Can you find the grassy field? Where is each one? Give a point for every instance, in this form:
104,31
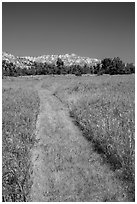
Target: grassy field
102,107
104,110
20,108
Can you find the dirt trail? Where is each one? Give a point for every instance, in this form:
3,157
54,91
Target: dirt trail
64,166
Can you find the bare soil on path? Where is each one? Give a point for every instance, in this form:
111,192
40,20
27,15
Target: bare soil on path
65,167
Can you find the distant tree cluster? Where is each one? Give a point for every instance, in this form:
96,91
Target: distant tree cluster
116,66
107,66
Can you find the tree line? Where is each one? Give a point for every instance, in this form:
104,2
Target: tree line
106,66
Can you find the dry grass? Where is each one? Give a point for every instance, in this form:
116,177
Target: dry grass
20,109
104,109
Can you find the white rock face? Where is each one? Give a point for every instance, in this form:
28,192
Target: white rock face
68,59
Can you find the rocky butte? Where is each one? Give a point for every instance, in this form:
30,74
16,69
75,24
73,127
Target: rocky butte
68,59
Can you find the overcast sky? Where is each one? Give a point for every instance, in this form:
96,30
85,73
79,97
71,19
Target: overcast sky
95,30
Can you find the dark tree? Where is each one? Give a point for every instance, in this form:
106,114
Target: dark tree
59,62
59,65
113,66
78,70
106,65
118,67
98,69
130,68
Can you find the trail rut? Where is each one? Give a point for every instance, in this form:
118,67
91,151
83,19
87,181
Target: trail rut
65,168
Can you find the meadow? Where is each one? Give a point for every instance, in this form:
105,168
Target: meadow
103,109
20,107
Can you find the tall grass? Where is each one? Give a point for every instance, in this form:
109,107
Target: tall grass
19,112
104,111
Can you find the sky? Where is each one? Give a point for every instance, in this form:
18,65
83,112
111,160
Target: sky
95,30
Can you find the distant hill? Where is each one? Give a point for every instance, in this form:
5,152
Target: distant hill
68,59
